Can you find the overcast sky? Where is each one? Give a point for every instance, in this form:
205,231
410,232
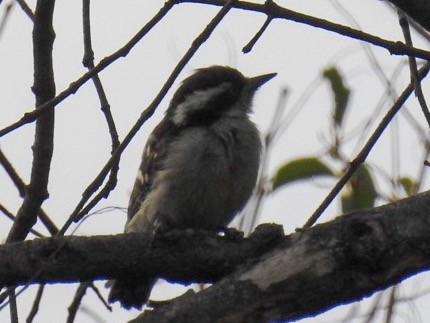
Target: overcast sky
298,53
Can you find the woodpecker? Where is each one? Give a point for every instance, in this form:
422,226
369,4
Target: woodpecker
199,166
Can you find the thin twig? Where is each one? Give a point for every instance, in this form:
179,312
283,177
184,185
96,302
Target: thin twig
108,60
391,304
11,216
12,173
272,9
13,306
418,28
101,298
248,47
6,14
20,185
422,170
36,304
147,113
376,66
88,61
250,217
74,306
92,314
52,256
370,316
413,67
150,110
269,8
362,155
296,108
24,6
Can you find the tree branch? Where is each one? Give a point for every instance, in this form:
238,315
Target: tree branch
77,215
275,11
330,264
268,277
197,257
44,90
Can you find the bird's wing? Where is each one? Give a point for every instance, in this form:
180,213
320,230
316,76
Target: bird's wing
152,161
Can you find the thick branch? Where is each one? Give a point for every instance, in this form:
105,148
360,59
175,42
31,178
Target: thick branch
344,260
196,257
329,264
44,90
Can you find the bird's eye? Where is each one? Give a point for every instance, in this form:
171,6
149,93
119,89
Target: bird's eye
199,102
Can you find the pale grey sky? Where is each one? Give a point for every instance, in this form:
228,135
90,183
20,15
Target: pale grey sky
298,53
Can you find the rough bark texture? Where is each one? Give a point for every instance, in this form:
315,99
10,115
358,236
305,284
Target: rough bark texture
178,256
292,277
330,264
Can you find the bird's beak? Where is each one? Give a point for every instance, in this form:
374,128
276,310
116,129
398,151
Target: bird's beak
255,82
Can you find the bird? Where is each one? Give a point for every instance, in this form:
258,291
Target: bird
199,166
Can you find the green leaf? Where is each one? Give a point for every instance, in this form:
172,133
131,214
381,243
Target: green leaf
340,92
409,185
300,169
360,192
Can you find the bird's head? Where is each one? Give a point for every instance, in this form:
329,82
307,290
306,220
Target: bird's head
213,92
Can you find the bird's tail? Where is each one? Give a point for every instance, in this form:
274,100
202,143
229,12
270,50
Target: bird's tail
131,293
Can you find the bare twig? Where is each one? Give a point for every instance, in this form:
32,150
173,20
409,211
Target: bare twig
250,217
92,314
147,113
24,6
20,185
36,304
53,253
13,306
88,61
362,155
12,173
392,301
11,216
296,108
269,8
74,306
150,110
413,67
257,36
370,316
101,298
4,19
272,9
73,87
418,28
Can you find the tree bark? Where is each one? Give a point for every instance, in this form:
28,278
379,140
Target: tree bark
178,256
292,277
330,264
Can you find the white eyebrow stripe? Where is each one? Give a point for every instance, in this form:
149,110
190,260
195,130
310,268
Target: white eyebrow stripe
196,101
